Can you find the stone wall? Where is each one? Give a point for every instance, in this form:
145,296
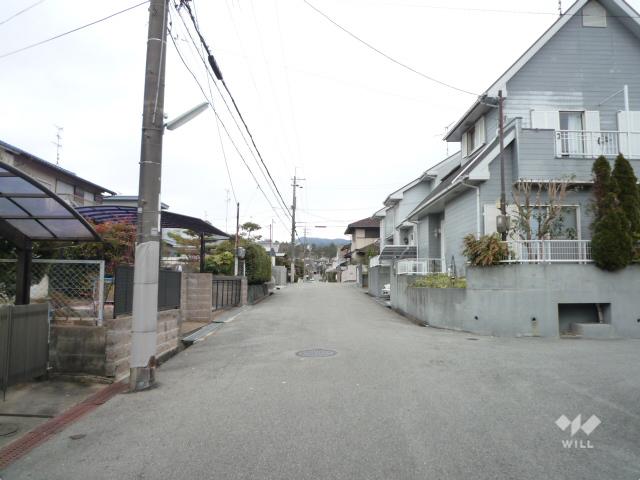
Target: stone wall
523,300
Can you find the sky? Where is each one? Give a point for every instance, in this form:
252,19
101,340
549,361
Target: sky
319,104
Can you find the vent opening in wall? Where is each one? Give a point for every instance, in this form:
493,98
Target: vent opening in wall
594,15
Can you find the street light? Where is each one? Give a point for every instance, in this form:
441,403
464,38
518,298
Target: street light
186,116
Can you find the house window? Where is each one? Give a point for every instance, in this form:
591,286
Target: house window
474,137
471,134
572,136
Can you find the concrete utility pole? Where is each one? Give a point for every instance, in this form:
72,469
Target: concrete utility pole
293,229
147,264
235,255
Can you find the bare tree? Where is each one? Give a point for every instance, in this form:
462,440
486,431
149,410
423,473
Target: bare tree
539,207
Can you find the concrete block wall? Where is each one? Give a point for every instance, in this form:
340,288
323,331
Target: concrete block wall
523,300
196,297
77,349
118,341
104,351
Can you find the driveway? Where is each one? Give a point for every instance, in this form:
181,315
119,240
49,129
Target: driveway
397,401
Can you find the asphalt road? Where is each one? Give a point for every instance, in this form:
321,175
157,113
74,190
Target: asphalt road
398,401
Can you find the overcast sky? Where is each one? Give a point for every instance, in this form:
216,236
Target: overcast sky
355,125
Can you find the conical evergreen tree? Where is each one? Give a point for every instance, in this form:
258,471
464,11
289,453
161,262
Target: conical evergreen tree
628,193
611,243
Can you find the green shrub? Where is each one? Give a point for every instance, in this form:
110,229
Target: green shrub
258,264
485,251
220,263
440,280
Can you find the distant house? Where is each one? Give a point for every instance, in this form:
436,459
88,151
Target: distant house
364,233
73,189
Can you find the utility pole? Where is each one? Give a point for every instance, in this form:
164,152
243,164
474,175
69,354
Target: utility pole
503,190
293,229
147,262
235,256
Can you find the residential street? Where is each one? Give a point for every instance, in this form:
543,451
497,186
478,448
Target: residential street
398,401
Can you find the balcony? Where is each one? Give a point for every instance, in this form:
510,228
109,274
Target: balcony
549,251
588,144
421,266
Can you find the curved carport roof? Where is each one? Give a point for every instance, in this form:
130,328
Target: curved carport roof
29,212
128,214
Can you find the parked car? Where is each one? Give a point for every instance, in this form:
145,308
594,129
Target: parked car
386,290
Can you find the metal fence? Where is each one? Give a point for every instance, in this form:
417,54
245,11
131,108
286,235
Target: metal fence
24,343
226,292
582,143
549,251
421,266
74,288
169,286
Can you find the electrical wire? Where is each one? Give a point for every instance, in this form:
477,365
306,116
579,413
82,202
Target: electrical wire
224,83
388,57
195,78
42,42
229,110
17,14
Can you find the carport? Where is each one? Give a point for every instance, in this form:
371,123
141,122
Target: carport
128,214
31,212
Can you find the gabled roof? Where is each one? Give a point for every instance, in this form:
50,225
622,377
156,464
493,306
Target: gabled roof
370,222
621,9
397,195
44,163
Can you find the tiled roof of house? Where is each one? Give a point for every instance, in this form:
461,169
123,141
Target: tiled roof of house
369,222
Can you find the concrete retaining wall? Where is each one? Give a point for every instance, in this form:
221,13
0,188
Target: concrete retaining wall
378,277
523,300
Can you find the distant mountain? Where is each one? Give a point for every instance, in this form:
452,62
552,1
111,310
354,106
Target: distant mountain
323,242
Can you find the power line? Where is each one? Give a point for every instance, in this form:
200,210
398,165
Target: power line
218,74
388,57
210,101
42,42
17,14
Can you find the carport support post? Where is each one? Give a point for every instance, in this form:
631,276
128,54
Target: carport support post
145,279
23,274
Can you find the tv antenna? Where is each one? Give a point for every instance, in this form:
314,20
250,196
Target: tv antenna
58,143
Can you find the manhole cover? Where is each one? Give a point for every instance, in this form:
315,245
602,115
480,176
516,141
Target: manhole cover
7,429
316,352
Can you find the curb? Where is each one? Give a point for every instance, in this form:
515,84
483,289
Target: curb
43,432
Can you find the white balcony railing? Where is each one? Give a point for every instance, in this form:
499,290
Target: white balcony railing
549,251
421,266
587,144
